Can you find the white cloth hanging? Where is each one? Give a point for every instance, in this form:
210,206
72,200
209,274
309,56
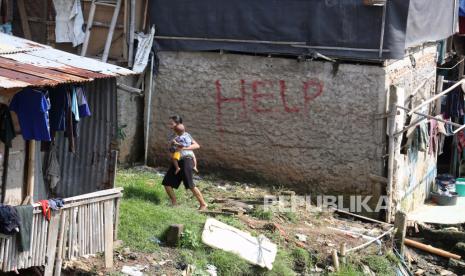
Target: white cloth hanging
69,22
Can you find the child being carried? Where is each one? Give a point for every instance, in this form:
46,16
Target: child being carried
183,139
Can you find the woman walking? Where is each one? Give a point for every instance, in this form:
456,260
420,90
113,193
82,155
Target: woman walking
173,179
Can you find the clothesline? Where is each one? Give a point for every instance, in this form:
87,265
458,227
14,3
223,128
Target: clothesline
437,96
459,126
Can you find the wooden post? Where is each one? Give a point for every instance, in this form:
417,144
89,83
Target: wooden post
343,250
24,19
30,170
61,237
108,220
132,26
335,259
125,30
117,204
52,243
401,226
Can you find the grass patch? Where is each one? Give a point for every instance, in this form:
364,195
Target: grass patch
145,213
260,213
229,264
380,265
348,270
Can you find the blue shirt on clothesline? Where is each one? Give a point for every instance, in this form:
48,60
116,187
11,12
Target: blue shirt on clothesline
31,107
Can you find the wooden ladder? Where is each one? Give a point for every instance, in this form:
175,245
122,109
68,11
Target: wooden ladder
117,5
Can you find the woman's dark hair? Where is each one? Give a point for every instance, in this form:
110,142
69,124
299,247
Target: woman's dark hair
177,119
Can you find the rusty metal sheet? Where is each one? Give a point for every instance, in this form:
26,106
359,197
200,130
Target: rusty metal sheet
39,72
26,63
53,65
9,83
22,77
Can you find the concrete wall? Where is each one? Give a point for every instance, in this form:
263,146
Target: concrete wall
130,123
307,125
415,171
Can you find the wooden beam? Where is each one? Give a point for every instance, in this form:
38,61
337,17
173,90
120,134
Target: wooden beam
106,51
132,26
108,221
52,238
61,243
400,223
30,170
23,17
430,249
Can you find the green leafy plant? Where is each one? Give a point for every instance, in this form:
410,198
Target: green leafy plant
190,239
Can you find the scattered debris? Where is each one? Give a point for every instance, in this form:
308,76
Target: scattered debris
133,270
430,249
259,251
301,237
156,240
212,270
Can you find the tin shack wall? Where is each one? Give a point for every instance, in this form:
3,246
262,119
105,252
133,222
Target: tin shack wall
91,167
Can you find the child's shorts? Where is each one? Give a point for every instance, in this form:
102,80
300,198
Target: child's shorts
176,155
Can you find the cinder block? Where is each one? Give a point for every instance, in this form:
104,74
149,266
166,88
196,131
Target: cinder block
173,234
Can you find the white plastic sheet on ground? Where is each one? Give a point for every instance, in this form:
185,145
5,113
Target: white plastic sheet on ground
256,250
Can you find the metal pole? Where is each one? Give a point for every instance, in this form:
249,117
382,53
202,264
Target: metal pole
437,96
149,104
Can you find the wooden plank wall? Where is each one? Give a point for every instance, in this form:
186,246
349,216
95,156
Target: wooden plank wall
86,225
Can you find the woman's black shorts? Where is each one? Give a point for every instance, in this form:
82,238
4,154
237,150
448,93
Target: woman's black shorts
185,175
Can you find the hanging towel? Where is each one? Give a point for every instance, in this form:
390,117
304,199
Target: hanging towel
69,22
52,171
9,220
7,130
25,213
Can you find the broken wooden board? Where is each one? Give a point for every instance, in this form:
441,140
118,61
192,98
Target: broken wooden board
256,250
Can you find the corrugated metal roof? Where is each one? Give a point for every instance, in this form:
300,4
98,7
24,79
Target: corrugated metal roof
25,63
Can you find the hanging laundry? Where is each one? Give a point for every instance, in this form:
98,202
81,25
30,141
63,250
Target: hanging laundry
433,137
58,105
46,211
9,220
56,203
70,127
454,106
52,168
25,213
69,21
460,142
74,105
420,137
442,133
84,110
31,106
7,130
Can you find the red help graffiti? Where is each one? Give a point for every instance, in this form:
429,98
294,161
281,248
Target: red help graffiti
252,94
